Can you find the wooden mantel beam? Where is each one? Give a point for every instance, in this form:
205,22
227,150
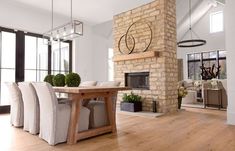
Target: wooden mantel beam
142,55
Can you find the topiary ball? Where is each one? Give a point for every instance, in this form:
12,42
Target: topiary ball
49,79
59,80
72,80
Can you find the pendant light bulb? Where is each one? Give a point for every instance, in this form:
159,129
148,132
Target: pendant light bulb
64,33
57,35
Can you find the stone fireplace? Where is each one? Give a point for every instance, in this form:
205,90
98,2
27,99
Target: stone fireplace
153,73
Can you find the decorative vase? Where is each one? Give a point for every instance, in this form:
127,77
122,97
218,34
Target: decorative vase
179,102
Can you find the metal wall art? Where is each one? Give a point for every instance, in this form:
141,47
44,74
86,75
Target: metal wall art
208,73
132,38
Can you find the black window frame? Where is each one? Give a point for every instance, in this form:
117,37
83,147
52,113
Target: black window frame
70,58
202,60
20,57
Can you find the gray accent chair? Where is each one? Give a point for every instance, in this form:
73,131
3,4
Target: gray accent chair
212,97
17,107
31,107
98,116
55,117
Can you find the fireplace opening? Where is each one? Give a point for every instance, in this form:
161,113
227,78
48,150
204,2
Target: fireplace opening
137,80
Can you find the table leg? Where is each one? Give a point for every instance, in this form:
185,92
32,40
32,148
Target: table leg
111,112
114,101
74,118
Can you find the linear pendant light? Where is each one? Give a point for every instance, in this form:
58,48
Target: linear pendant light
67,31
193,42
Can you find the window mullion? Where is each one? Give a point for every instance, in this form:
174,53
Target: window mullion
0,64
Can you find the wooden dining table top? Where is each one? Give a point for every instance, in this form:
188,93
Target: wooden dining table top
89,89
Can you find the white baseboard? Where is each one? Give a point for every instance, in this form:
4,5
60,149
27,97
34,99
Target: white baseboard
230,117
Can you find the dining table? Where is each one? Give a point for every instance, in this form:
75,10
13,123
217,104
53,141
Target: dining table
77,95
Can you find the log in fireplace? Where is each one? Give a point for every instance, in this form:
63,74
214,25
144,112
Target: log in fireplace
137,80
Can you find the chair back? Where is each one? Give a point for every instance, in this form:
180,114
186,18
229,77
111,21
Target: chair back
47,99
31,107
109,83
16,102
48,105
88,83
29,95
14,92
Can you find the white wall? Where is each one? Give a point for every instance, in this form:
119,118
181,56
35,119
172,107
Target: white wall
14,15
215,41
230,47
102,41
83,54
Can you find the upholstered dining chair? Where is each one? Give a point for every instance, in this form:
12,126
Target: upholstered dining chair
98,116
88,83
31,107
55,117
17,107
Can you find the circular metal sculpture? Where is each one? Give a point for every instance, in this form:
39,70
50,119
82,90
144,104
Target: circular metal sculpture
129,50
191,43
133,38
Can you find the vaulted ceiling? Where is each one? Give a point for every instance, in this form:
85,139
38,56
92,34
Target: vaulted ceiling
99,11
198,7
93,11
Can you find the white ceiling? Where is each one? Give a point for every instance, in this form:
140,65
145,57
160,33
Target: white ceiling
92,11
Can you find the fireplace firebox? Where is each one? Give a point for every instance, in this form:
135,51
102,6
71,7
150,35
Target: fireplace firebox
137,80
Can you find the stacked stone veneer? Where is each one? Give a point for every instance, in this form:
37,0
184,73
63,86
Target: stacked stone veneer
163,69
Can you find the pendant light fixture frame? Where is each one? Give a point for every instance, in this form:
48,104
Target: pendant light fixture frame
67,31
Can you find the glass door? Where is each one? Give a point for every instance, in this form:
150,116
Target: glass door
36,59
60,58
7,63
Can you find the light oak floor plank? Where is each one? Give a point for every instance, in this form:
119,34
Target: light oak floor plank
187,130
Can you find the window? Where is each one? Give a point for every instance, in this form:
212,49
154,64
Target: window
196,60
194,63
110,65
61,58
7,63
216,22
36,59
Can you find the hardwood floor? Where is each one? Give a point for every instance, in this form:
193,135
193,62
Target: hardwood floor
189,130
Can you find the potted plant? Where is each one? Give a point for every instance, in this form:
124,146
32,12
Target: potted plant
49,79
182,92
59,80
72,80
131,103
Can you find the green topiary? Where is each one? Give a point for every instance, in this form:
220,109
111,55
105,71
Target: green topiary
72,80
49,79
59,80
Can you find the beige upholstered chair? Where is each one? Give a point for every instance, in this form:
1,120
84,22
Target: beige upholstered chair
31,107
190,98
54,117
17,107
88,83
98,115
